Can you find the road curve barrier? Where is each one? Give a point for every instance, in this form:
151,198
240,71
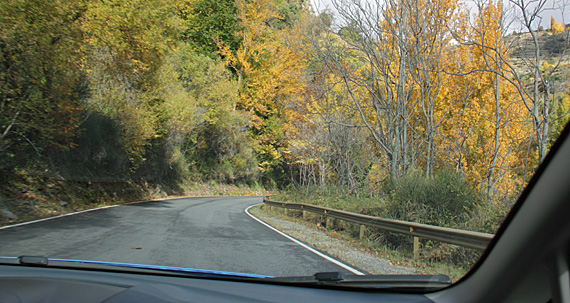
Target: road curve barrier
470,239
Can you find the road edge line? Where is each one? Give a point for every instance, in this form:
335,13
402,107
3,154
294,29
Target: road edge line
56,217
318,253
81,211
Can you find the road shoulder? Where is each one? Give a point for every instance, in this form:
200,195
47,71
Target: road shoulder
338,248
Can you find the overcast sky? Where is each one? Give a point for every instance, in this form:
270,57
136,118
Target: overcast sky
552,8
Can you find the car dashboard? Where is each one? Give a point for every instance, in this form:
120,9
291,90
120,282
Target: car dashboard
40,284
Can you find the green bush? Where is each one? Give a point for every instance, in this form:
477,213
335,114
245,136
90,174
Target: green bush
98,153
442,200
487,217
445,199
555,44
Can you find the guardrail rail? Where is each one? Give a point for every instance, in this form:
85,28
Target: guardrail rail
459,237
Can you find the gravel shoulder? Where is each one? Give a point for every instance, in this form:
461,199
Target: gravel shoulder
338,248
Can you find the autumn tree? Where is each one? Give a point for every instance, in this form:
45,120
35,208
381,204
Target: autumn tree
429,102
488,131
40,82
556,27
389,55
207,23
125,44
269,74
533,76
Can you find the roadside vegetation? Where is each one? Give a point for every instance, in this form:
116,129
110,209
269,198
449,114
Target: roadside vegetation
371,244
432,111
445,200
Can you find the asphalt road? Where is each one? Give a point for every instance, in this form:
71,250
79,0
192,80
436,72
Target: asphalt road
205,233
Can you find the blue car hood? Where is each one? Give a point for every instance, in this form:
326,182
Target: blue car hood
193,271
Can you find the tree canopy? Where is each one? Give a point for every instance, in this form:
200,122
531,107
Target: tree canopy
271,91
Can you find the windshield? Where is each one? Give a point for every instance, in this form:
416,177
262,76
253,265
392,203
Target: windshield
388,137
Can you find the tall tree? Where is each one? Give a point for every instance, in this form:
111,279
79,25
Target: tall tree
535,84
125,44
392,51
269,74
492,118
39,83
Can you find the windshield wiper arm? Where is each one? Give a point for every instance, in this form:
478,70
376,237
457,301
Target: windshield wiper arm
33,260
382,281
88,264
334,276
320,278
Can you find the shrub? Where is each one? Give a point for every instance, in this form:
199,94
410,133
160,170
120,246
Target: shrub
555,44
443,200
487,217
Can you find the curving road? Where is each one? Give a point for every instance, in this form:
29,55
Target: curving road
207,233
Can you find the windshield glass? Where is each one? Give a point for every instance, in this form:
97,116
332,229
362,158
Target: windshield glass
148,131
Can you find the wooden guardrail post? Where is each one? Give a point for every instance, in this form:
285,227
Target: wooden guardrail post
362,231
329,223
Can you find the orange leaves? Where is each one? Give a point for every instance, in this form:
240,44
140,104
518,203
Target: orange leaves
485,126
269,74
556,27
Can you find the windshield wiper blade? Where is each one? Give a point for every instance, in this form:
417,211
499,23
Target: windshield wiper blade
377,281
55,262
33,260
334,276
318,279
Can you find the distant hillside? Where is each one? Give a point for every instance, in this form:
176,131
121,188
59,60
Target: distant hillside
552,47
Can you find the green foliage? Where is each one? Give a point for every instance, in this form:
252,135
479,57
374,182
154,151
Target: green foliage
443,200
39,78
216,145
561,109
556,44
288,12
128,39
487,217
207,22
98,153
125,45
99,90
335,196
350,33
208,82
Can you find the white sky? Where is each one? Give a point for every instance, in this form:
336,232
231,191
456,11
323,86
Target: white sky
560,9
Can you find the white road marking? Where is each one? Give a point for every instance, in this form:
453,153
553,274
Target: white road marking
347,267
55,217
318,253
79,212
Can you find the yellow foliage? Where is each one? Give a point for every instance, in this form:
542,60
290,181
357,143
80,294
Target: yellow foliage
270,72
556,27
486,125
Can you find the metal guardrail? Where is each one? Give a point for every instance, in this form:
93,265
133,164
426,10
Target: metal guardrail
459,237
